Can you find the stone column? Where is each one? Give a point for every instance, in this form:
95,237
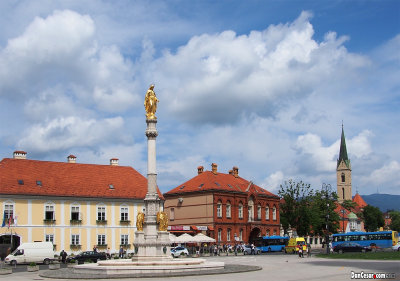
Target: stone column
151,244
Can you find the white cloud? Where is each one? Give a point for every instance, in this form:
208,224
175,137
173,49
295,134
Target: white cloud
389,174
253,74
273,181
319,158
65,133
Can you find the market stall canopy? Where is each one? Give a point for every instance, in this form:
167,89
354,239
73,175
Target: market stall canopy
185,238
172,238
201,238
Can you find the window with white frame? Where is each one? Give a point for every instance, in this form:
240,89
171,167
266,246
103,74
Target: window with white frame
101,213
124,213
49,212
124,239
240,211
75,239
228,209
171,214
274,213
241,235
49,238
75,214
267,213
228,235
219,209
259,212
219,234
8,211
101,239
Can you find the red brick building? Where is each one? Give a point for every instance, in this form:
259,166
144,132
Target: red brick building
224,206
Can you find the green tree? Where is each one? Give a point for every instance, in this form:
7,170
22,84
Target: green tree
395,217
373,218
323,211
295,209
348,205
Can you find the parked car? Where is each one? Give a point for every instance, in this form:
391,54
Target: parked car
350,247
179,251
247,250
88,255
396,247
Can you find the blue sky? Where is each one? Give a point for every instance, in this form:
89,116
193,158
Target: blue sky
262,85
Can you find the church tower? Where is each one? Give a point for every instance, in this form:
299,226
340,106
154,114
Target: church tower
343,172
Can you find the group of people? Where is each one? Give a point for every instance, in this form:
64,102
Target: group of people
301,248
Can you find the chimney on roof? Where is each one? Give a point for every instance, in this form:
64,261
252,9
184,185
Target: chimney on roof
114,161
71,159
200,170
214,168
235,171
18,154
231,172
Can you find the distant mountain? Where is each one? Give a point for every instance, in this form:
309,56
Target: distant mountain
383,201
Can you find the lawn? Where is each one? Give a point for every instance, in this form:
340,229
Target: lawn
389,255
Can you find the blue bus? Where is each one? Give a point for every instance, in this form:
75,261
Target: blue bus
380,239
273,243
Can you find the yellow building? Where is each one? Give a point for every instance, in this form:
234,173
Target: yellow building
75,206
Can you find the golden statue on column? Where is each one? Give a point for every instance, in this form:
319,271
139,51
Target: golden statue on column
162,220
150,103
139,221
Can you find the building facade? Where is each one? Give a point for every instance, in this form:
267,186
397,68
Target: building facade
74,206
223,206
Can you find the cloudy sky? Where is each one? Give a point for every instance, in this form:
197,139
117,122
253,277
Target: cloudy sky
262,85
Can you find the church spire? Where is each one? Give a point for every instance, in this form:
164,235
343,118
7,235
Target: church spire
343,151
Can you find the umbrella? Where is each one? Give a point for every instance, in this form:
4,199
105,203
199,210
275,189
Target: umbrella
201,238
185,238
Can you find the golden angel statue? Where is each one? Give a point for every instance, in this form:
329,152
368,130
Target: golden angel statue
139,221
162,220
150,103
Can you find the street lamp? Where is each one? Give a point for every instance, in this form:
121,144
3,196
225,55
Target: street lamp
327,189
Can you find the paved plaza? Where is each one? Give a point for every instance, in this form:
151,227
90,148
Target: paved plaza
274,267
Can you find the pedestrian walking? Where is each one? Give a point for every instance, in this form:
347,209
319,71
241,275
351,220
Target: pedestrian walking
121,252
309,250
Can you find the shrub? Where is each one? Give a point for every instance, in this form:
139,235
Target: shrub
32,264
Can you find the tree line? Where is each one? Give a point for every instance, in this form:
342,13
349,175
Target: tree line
312,212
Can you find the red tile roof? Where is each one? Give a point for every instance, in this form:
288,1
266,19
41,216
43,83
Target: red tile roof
45,178
208,181
359,200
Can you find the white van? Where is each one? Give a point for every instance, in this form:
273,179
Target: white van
38,252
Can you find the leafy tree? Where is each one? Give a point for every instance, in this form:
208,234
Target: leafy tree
323,211
395,224
295,209
373,218
348,205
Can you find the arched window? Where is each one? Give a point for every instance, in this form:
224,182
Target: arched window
259,212
219,234
241,235
219,209
228,209
343,177
240,209
267,213
228,235
268,232
274,213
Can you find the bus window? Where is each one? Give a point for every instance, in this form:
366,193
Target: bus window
363,237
